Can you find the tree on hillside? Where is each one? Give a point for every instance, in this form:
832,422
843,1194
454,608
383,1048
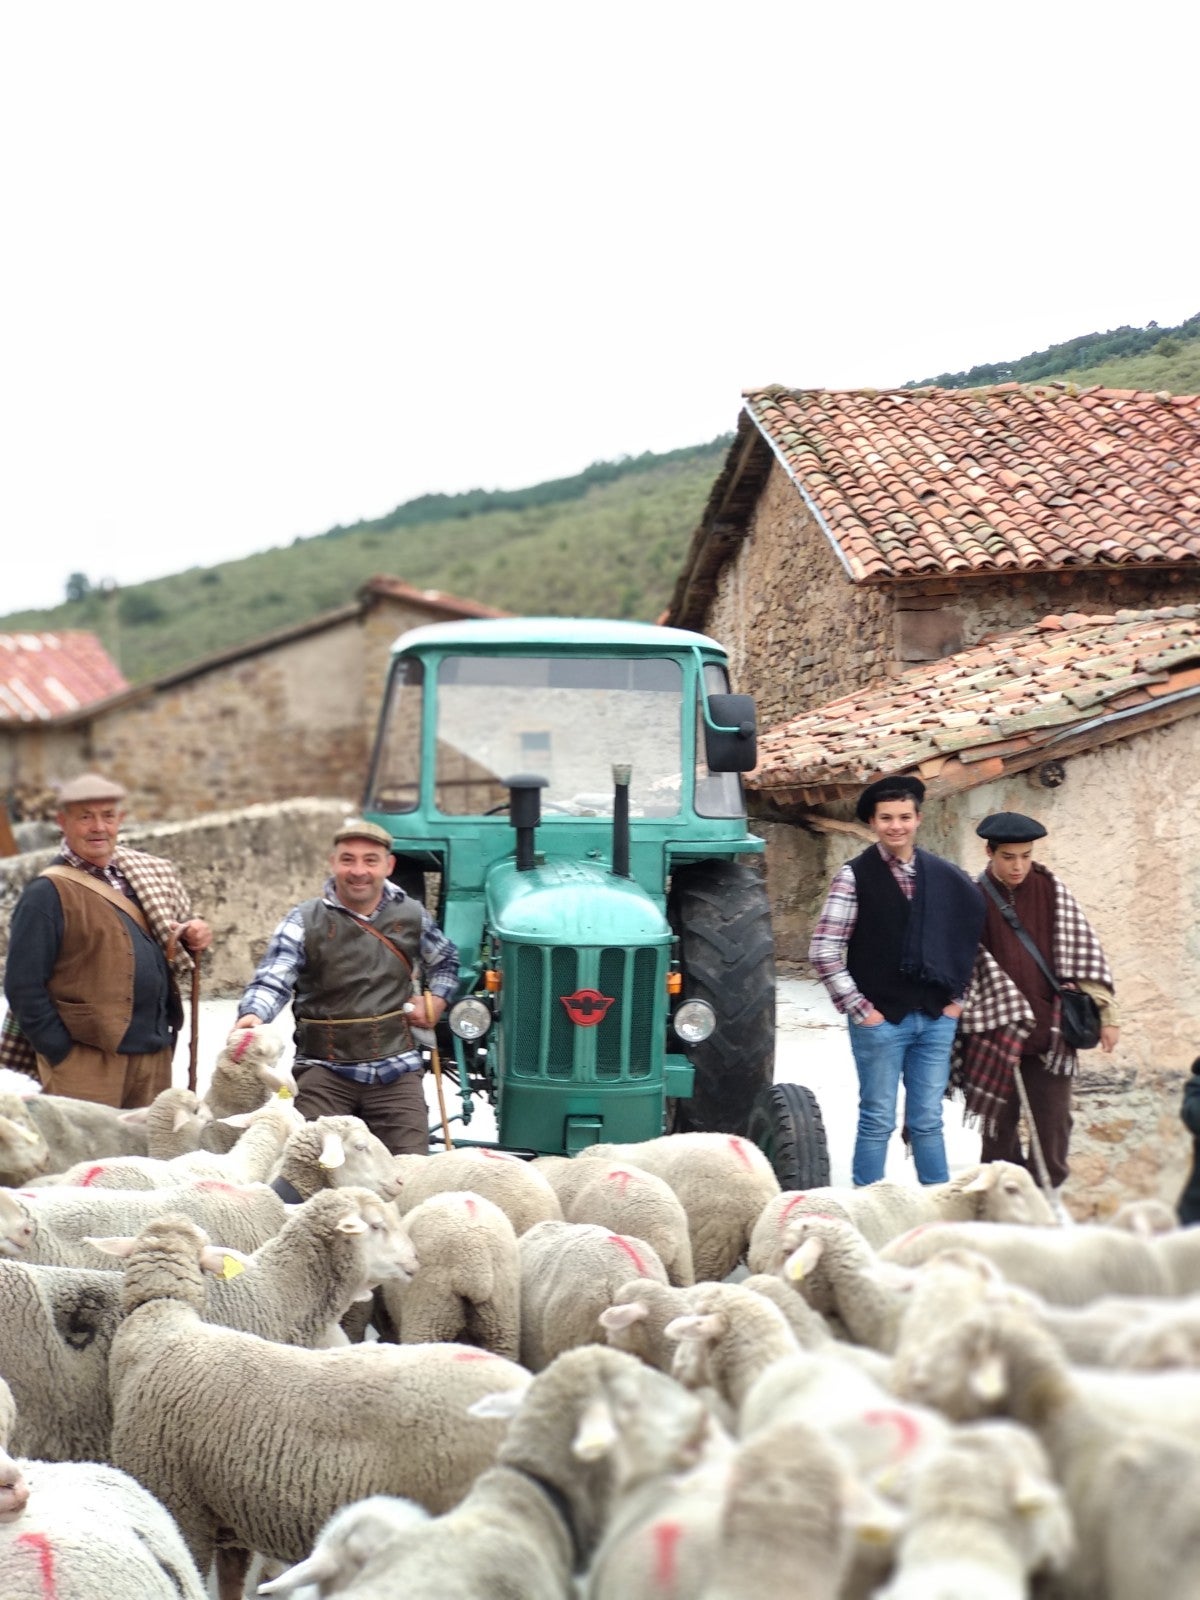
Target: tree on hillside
78,587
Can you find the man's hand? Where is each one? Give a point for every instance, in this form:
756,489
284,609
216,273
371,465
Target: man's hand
954,1009
1108,1039
872,1019
425,1010
195,935
249,1021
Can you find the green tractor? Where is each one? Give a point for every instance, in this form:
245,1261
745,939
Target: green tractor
569,793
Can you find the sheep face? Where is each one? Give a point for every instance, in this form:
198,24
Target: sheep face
386,1251
16,1228
24,1153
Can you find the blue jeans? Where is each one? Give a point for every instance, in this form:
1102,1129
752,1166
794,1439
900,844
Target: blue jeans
915,1050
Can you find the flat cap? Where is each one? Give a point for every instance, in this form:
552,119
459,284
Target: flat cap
89,786
899,787
359,828
1010,827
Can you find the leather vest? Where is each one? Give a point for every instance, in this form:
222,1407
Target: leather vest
93,982
351,991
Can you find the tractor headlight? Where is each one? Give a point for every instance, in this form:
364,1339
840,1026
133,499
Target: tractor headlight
694,1020
470,1019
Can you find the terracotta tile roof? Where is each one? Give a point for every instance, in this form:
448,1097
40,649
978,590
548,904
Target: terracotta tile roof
1015,700
910,483
44,675
446,607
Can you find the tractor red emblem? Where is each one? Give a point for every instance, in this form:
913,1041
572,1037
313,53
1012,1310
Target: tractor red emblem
586,1007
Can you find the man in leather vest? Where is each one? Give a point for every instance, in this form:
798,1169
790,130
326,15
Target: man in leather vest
345,961
894,946
94,1007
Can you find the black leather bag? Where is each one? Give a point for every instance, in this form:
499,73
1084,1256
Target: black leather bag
1079,1021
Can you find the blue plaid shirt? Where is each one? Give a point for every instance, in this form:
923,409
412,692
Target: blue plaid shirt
274,983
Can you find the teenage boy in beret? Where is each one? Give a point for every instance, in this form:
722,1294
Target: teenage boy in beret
94,1007
894,946
1013,1011
345,959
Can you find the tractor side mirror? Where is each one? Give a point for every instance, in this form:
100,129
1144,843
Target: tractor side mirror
730,733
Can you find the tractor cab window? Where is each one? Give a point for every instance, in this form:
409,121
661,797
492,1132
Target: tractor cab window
565,718
718,794
396,780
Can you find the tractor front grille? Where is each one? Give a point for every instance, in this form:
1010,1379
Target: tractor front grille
546,1043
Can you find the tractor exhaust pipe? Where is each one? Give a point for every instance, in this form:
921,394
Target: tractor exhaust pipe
620,840
525,812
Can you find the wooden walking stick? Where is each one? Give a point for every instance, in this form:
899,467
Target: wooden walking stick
437,1076
194,1038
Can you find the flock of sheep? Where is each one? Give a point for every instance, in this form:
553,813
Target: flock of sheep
234,1342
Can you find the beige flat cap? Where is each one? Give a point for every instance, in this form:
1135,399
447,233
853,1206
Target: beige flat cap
89,786
358,828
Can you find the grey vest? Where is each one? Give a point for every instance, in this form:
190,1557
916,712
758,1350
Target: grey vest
351,992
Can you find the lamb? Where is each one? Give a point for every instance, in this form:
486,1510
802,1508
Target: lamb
996,1191
468,1286
984,1517
570,1272
175,1121
1120,1480
245,1073
727,1340
627,1199
83,1532
74,1130
516,1186
301,1432
595,1423
723,1182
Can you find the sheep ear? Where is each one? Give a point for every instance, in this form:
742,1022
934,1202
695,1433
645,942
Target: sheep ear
504,1403
351,1224
135,1117
982,1183
222,1263
333,1153
319,1569
239,1119
988,1380
180,1119
613,1318
597,1431
802,1260
871,1519
17,1130
115,1245
696,1326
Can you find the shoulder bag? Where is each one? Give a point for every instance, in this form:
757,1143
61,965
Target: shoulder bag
1080,1015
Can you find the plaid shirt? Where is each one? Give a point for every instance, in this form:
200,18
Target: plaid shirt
835,925
274,983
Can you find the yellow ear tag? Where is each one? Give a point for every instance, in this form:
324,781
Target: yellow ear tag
284,1093
231,1268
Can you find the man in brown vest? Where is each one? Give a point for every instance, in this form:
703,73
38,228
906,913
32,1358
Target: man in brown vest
345,961
92,1000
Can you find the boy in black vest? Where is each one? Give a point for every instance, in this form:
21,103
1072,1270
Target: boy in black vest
894,945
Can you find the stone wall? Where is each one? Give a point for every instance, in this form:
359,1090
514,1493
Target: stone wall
1135,868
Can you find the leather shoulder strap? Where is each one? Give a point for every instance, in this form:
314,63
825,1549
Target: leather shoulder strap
382,937
1009,913
104,890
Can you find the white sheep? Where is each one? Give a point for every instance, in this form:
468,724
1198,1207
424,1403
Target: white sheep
245,1074
627,1199
175,1121
280,1437
807,1324
723,1182
74,1130
1146,1216
595,1422
331,1153
996,1191
984,1517
467,1288
726,1340
24,1153
72,1531
517,1187
570,1273
840,1276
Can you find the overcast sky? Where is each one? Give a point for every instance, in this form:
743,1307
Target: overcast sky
270,266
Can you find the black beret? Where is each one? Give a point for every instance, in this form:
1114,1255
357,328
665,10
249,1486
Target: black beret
900,787
1010,827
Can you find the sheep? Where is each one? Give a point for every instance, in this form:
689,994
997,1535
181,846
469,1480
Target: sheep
24,1153
280,1437
810,1328
984,1516
61,1219
627,1199
842,1278
723,1182
1147,1217
245,1073
74,1130
726,1340
333,1152
468,1286
1131,1490
175,1121
996,1191
1066,1266
84,1532
570,1272
516,1186
595,1423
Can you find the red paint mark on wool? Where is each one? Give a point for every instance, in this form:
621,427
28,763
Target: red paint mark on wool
627,1245
666,1536
499,1155
471,1355
45,1555
908,1433
620,1176
243,1044
738,1146
215,1186
89,1177
789,1208
472,1208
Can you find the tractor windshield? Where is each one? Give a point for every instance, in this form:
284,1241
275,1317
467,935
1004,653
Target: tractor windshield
565,718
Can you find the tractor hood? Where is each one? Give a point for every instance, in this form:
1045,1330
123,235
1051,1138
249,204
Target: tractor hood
571,903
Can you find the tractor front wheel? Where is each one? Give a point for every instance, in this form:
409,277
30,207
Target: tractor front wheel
722,919
787,1126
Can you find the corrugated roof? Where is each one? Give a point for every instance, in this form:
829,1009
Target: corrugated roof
1065,684
918,483
45,675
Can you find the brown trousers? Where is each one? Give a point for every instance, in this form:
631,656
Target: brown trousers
394,1112
106,1078
1050,1102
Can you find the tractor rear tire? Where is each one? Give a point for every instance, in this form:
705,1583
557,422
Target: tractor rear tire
787,1126
720,913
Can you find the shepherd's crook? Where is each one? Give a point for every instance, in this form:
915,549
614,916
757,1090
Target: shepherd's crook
173,942
437,1073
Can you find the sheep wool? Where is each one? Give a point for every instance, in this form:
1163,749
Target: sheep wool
570,1272
517,1187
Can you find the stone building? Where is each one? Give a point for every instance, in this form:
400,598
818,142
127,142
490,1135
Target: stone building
850,534
291,713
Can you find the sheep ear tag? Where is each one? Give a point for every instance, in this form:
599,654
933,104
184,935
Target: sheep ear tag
284,1093
230,1267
